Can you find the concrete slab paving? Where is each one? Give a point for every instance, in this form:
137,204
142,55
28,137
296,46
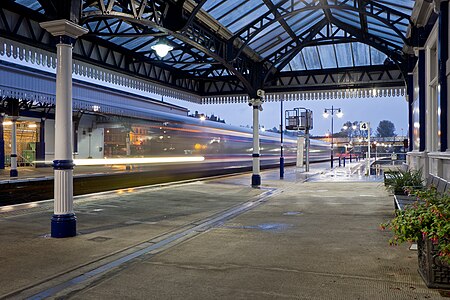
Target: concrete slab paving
107,223
318,239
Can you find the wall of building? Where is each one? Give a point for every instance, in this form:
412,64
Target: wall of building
432,160
90,139
49,139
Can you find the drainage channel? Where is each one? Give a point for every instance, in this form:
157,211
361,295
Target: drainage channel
160,244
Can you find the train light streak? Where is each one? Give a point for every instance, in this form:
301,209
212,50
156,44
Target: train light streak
131,161
7,208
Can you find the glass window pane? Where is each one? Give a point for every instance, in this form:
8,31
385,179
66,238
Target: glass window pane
378,57
344,55
327,56
240,23
297,64
269,42
403,6
311,58
220,10
268,35
361,53
347,18
302,21
242,11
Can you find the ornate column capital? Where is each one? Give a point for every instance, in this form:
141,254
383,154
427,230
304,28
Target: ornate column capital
64,28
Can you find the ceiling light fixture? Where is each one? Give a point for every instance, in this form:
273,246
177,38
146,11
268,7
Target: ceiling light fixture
161,48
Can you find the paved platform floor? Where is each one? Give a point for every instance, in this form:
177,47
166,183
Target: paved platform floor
216,239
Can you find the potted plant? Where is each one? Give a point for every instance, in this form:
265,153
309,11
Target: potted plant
427,222
396,182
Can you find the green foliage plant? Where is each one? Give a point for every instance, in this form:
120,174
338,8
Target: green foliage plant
386,129
428,217
401,180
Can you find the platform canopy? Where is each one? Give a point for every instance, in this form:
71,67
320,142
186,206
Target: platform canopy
225,50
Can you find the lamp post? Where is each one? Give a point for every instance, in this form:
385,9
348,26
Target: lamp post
339,114
300,118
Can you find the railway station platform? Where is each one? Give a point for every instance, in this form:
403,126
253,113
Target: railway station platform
309,236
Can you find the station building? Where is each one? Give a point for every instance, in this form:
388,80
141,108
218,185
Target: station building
428,90
110,118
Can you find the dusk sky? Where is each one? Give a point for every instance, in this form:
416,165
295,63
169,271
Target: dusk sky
372,110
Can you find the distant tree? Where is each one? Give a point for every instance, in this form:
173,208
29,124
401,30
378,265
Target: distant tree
274,129
386,129
348,131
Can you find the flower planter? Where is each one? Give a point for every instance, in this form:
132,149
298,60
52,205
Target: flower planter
434,272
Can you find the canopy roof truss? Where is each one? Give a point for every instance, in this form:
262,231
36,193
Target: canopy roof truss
232,47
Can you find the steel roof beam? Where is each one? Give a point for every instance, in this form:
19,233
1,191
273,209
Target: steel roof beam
282,21
391,50
370,9
215,45
363,18
326,11
89,49
289,51
196,36
364,77
318,36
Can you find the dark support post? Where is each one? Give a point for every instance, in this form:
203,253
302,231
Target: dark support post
350,157
281,148
443,57
422,108
332,142
13,171
339,158
344,161
2,144
326,114
75,136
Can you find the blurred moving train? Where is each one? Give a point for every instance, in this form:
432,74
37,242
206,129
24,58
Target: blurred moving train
226,149
225,145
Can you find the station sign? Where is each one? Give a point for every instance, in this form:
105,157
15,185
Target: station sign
363,126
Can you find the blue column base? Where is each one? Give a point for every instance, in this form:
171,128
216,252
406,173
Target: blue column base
64,226
13,173
256,180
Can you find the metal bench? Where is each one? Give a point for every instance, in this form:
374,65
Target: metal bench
441,185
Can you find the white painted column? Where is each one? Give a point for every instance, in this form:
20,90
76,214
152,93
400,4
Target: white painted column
63,220
13,171
256,177
63,163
